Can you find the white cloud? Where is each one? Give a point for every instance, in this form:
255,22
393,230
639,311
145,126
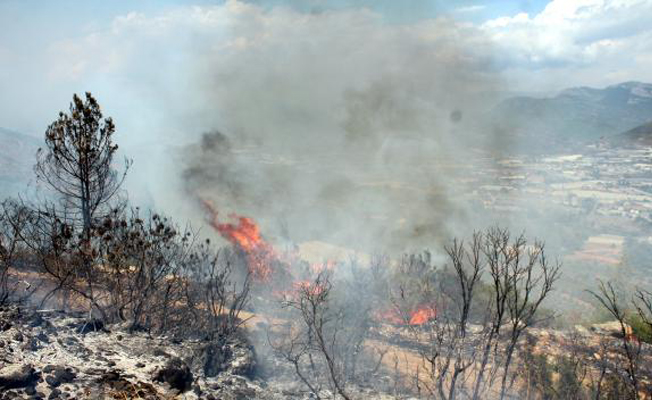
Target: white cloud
593,35
470,9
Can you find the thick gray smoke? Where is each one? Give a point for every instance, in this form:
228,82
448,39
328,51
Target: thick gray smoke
337,127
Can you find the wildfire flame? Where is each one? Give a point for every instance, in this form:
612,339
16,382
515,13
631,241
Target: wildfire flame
262,257
245,235
421,315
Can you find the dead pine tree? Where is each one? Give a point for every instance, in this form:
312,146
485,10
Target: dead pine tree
76,164
77,161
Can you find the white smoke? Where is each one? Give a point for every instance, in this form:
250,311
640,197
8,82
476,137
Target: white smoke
340,126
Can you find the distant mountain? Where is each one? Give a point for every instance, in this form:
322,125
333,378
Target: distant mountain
573,116
639,136
17,157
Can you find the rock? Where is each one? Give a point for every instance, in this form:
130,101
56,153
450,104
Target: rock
159,352
17,376
50,380
60,375
213,358
140,365
612,328
54,394
18,337
37,321
176,374
111,376
43,337
93,325
244,363
31,345
65,375
69,341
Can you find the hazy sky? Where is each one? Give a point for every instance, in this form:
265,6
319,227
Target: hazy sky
49,50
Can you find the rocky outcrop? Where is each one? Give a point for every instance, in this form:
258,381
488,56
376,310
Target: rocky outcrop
176,374
17,376
55,355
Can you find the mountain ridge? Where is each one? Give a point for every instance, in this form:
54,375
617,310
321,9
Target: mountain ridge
574,116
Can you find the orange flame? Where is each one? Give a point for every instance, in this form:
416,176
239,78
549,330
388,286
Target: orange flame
420,316
246,236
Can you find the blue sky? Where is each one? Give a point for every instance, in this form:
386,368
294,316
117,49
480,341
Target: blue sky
98,12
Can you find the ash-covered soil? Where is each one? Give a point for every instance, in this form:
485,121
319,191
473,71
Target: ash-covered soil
49,354
53,355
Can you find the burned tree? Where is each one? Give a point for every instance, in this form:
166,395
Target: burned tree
529,278
472,342
451,350
520,279
76,164
323,338
608,297
13,221
77,161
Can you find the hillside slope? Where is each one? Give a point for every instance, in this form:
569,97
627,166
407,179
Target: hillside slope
574,116
639,136
17,157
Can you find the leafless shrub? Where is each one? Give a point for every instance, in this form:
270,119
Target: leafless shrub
450,352
63,254
139,260
643,304
500,308
143,271
554,376
211,293
324,336
608,297
13,219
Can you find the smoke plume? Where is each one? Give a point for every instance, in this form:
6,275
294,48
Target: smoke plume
338,127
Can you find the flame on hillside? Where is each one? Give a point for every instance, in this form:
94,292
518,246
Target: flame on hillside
419,316
262,257
245,235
